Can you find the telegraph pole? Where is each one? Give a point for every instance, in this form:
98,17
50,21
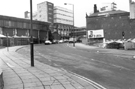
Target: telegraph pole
31,37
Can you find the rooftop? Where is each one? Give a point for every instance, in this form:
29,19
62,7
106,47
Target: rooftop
108,13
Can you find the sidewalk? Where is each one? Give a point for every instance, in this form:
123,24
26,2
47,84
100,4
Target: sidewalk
127,53
18,74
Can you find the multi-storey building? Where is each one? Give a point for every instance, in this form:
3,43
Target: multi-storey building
45,12
132,9
62,15
61,19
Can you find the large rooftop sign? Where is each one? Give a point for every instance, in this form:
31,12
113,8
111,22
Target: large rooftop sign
96,33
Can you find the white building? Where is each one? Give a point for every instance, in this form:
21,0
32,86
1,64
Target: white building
63,15
61,19
132,9
47,12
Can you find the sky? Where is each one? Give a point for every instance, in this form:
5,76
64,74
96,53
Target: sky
16,8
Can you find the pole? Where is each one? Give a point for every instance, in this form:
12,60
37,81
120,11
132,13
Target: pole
73,26
73,23
7,41
31,37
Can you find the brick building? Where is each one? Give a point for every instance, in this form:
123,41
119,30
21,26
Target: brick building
113,24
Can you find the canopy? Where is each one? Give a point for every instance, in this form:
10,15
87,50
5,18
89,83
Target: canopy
2,36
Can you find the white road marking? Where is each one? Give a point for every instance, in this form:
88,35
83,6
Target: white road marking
9,65
98,86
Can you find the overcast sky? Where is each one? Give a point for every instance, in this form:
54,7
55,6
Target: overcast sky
16,8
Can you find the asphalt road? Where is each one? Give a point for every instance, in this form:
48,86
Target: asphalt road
109,70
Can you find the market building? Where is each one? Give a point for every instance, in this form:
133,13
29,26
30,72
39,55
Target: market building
16,31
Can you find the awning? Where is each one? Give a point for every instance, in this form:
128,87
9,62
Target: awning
2,36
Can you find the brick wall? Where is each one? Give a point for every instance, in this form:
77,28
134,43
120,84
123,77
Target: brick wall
113,26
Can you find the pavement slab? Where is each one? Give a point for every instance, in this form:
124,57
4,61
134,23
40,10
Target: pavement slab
18,74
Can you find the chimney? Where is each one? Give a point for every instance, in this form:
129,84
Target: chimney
95,8
26,14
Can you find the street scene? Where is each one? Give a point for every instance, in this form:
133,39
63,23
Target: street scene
67,44
110,69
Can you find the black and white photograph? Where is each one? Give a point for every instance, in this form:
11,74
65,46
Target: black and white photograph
67,44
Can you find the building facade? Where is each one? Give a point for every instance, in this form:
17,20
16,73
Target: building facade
113,24
60,19
45,12
63,16
18,30
132,9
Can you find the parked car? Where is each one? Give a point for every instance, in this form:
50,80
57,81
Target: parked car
71,40
55,42
61,41
47,42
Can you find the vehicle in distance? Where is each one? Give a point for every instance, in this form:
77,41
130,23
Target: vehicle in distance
47,42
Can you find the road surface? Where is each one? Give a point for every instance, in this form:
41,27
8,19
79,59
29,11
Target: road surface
109,70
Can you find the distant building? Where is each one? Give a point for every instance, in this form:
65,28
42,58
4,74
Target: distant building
63,15
113,24
132,9
60,19
45,12
18,30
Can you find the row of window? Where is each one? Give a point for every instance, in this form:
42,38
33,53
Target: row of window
108,25
15,24
110,18
63,19
63,11
63,15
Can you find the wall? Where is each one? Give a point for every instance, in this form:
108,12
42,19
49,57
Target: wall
113,25
21,27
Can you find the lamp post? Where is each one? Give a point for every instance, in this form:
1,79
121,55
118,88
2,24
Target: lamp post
7,41
31,37
73,22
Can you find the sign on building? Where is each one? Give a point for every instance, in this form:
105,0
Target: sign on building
96,33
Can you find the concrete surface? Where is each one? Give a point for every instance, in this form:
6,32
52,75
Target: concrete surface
18,74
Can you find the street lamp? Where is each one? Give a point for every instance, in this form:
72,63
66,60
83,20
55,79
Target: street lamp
73,21
31,37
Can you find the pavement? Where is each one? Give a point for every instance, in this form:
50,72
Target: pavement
18,74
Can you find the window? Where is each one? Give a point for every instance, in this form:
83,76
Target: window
50,8
50,13
15,32
120,17
50,4
1,32
50,18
